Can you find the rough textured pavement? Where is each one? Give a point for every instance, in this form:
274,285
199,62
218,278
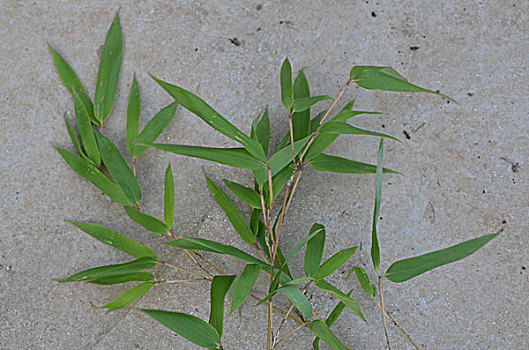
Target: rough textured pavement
465,166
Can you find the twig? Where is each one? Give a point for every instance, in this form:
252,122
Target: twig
184,270
381,293
178,280
399,327
289,334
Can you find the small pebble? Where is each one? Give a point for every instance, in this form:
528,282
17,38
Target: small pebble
8,267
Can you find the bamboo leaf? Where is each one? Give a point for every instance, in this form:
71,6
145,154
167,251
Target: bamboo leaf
248,195
190,327
314,250
405,269
261,130
323,332
108,73
334,262
335,164
350,303
74,138
89,172
244,285
369,288
341,128
333,316
168,207
287,97
235,157
197,106
303,104
85,130
115,239
284,156
154,128
112,270
133,116
219,287
301,120
119,169
315,230
129,296
131,277
297,298
214,247
347,114
233,214
148,222
375,250
386,79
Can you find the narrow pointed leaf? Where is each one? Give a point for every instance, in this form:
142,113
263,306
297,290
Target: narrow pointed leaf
346,114
297,298
284,156
315,230
219,288
261,130
287,97
375,250
129,296
115,239
386,79
335,164
244,285
323,332
369,288
131,277
349,105
194,104
248,195
190,327
168,201
119,169
214,247
333,316
403,270
148,222
233,214
314,250
235,157
133,116
154,128
315,122
342,128
301,120
281,179
74,138
303,104
334,262
112,270
89,171
108,73
86,131
350,303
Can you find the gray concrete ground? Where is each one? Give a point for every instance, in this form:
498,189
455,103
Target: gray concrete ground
465,166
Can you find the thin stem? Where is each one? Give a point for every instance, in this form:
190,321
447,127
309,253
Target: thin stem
288,313
184,270
134,166
399,327
289,334
381,293
178,280
278,309
191,256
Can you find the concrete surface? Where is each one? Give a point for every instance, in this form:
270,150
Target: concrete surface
459,182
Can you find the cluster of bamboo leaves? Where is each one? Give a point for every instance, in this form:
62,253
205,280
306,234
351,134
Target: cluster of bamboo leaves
98,160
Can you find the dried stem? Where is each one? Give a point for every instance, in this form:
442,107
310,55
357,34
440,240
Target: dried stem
381,293
292,332
399,327
184,270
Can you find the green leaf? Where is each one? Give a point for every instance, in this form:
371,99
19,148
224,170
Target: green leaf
219,287
323,332
297,298
108,74
302,104
403,270
72,82
346,114
334,262
168,198
386,79
261,130
85,130
74,138
90,172
284,156
115,239
315,122
148,222
314,250
375,250
190,327
287,97
301,120
154,128
129,296
119,169
235,157
280,180
248,195
197,106
333,316
233,214
315,230
113,270
369,288
341,128
344,298
133,116
131,277
214,247
244,285
335,164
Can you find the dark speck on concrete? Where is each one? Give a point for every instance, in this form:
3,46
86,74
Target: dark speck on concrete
235,41
414,48
373,14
